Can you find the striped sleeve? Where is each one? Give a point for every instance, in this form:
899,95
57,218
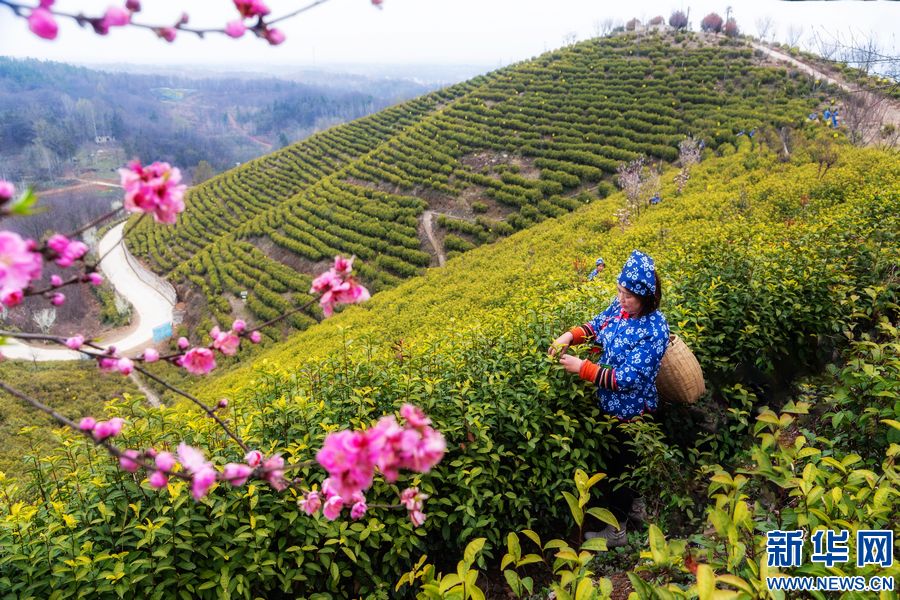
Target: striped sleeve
582,333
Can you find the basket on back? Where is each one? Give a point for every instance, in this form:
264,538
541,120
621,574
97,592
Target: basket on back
680,378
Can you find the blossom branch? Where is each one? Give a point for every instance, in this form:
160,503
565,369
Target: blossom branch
95,222
42,20
210,412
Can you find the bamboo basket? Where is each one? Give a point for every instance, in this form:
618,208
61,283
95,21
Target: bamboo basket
680,378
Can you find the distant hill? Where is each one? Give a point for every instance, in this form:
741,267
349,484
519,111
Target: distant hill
490,156
54,117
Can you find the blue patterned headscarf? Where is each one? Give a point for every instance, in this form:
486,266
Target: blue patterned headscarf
599,267
639,274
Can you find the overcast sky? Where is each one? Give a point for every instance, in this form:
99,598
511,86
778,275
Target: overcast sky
482,32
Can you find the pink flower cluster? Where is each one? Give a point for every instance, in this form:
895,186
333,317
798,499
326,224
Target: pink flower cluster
108,363
7,191
102,430
337,286
153,189
414,501
65,250
202,473
43,24
20,263
248,10
333,503
115,16
350,457
200,361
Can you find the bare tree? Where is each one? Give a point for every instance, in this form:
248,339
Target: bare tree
604,27
794,33
688,156
764,27
570,38
866,110
44,319
122,305
867,117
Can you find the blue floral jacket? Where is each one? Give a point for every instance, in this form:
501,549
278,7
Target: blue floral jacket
633,347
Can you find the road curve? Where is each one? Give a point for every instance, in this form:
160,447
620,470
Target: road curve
151,308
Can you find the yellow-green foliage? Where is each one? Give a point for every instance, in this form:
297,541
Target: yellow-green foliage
763,262
727,236
74,389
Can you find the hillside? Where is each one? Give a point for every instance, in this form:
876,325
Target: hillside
53,114
771,270
487,157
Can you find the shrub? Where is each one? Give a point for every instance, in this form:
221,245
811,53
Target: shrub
712,23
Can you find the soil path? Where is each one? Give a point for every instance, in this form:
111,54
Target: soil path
426,222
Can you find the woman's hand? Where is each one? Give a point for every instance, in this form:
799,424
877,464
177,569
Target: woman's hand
571,363
561,344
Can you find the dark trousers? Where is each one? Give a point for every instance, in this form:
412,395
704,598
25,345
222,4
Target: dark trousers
615,495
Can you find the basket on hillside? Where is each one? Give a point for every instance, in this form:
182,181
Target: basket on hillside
680,378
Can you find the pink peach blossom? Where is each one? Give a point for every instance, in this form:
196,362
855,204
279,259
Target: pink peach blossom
199,361
254,458
75,342
19,265
227,343
311,503
345,455
203,475
116,16
202,481
275,36
167,33
87,424
7,191
158,479
151,355
56,280
153,189
235,29
96,279
58,299
125,366
251,8
127,460
183,343
238,326
358,510
236,474
165,461
332,508
274,472
414,416
107,429
343,266
107,364
12,298
191,458
42,24
255,337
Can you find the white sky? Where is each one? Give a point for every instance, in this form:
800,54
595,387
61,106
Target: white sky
482,32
